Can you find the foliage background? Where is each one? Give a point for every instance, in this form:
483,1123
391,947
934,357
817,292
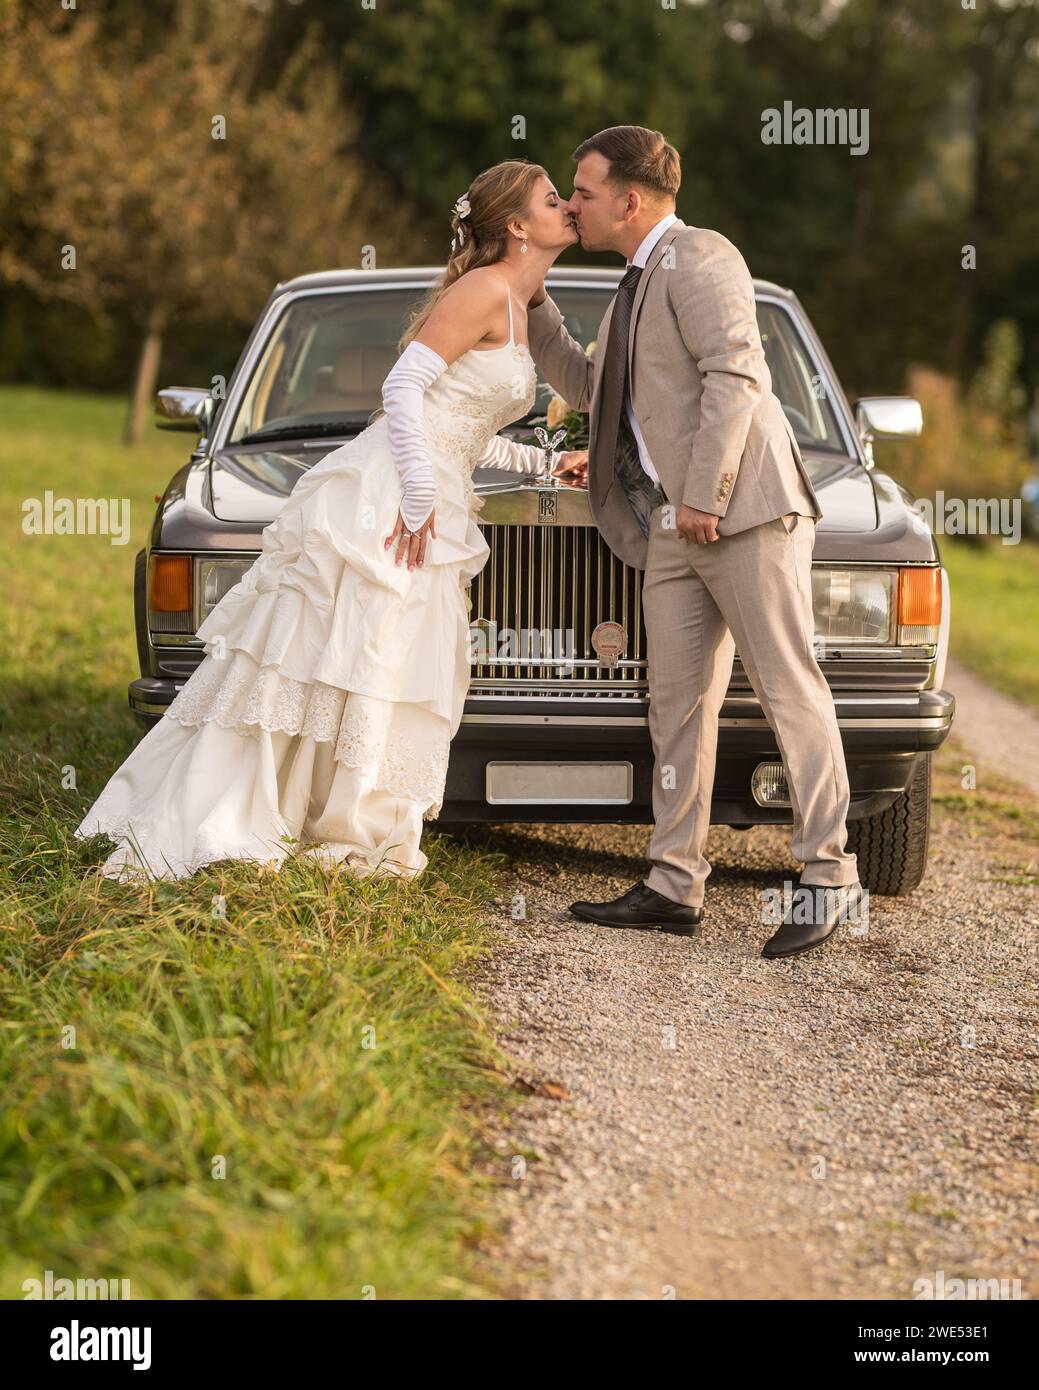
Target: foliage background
352,125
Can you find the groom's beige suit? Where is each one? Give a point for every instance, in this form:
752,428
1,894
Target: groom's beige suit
717,438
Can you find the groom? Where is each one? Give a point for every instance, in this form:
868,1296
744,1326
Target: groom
695,477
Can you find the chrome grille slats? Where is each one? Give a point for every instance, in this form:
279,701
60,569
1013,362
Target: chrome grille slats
546,580
506,616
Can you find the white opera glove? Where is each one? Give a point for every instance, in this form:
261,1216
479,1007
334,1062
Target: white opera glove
517,458
406,383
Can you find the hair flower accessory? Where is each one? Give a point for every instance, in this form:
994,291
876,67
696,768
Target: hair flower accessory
462,208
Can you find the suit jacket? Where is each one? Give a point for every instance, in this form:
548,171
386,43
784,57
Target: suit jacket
702,392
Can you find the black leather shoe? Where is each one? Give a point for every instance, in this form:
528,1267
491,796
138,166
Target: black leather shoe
811,919
642,906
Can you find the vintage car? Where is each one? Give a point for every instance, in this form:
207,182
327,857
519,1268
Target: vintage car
555,725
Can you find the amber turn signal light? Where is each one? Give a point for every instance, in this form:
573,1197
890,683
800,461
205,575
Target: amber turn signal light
920,597
170,588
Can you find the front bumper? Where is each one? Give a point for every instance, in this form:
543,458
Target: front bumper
883,735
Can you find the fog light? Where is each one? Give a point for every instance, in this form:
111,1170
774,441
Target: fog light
768,785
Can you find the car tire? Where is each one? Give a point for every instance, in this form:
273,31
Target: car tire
892,847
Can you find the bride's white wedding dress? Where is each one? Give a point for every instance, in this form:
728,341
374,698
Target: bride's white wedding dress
334,679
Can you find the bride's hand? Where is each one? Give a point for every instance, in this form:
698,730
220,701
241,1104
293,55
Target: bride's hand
411,544
573,467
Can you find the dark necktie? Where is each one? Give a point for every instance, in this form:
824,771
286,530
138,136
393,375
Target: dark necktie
614,384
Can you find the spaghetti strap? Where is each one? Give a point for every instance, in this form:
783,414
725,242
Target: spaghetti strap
511,342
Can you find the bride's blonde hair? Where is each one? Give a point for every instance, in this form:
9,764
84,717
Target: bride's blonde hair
499,194
495,197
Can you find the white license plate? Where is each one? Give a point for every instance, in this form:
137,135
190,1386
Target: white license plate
561,784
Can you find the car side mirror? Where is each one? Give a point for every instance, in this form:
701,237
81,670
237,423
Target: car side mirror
184,408
888,417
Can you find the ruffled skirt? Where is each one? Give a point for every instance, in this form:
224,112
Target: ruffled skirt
322,714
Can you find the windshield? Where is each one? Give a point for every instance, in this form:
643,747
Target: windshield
803,392
322,368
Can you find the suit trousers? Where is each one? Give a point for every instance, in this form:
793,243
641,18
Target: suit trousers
751,590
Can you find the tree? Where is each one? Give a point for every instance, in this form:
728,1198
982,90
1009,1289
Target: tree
444,90
171,186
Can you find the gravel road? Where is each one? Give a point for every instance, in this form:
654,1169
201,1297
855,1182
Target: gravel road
715,1125
1003,734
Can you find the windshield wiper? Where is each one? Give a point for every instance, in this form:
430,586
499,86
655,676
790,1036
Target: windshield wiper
311,431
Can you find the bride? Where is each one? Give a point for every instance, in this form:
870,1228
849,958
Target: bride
336,669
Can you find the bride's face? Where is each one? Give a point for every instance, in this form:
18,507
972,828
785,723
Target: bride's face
548,221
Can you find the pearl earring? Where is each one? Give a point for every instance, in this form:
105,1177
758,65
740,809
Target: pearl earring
523,247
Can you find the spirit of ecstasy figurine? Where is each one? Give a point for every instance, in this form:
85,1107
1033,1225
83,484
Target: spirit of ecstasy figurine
549,446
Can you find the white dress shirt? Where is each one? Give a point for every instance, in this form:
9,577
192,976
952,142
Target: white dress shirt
640,257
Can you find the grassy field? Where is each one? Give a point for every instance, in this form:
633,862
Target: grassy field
243,1085
995,612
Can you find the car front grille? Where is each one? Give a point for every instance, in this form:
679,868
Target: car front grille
534,607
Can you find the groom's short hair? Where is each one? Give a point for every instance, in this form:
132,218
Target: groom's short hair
637,156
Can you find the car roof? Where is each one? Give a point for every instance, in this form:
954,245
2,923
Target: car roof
426,274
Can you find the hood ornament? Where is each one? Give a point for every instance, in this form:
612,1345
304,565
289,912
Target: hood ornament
541,434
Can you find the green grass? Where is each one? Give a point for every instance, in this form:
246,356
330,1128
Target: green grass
283,1100
995,603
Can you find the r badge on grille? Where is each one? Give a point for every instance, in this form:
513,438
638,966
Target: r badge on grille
546,504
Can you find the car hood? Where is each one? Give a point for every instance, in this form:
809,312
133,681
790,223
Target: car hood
861,507
252,483
845,493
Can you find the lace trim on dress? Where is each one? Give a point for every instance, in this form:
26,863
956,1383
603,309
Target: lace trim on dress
243,699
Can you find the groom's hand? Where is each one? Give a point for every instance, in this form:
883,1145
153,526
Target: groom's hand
693,525
572,467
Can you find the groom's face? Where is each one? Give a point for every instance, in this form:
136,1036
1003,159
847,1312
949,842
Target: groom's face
596,208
